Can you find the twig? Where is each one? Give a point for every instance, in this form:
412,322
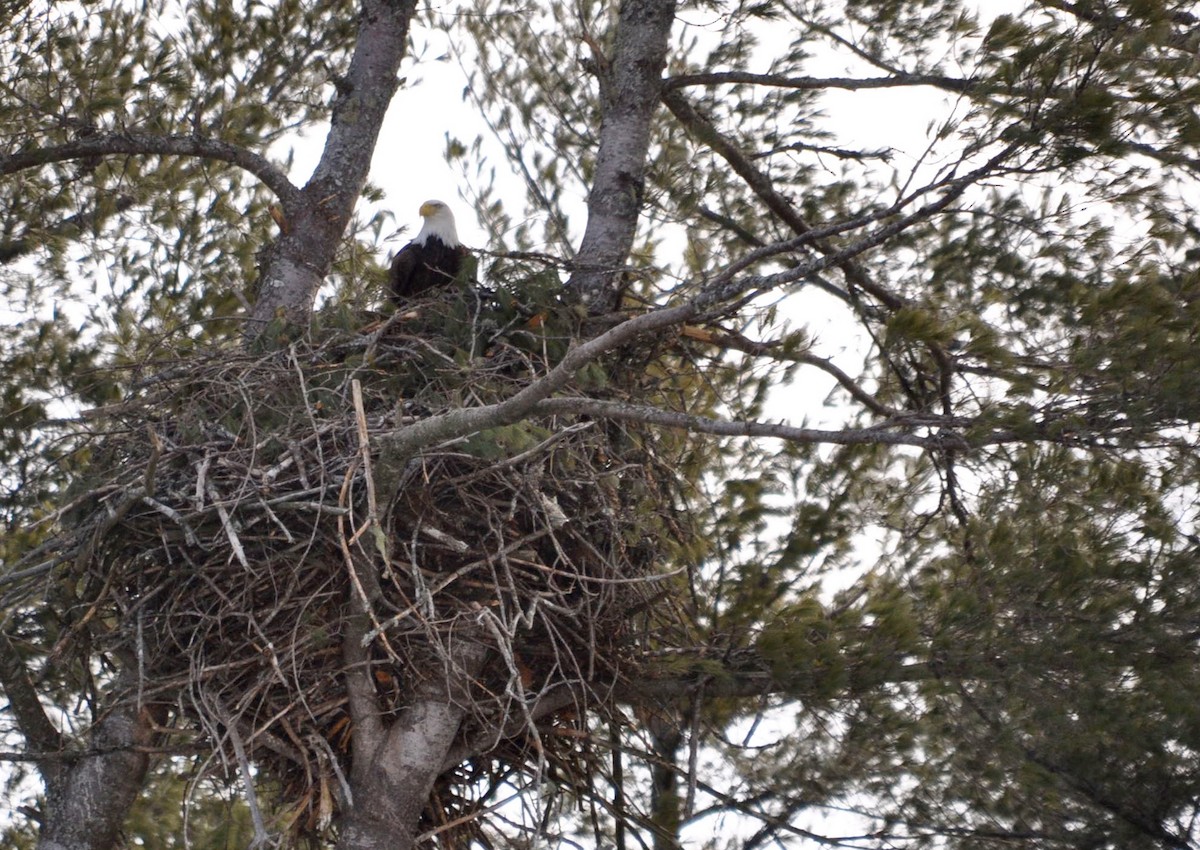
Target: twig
227,523
174,516
261,837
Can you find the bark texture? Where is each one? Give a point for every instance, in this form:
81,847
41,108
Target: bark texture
40,733
317,219
631,96
87,803
396,765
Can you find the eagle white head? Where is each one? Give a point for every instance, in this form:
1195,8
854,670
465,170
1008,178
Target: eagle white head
439,223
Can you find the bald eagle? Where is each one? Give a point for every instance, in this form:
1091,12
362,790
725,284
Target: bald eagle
432,259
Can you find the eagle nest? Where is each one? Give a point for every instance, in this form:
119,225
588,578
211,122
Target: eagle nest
243,520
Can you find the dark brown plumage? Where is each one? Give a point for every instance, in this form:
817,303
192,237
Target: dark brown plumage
433,259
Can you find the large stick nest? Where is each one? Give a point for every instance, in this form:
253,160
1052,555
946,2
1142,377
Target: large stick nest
240,510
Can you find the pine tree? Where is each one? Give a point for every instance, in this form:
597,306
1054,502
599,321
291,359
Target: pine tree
555,555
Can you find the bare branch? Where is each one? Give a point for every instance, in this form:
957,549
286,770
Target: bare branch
900,80
847,383
875,435
40,734
148,144
737,342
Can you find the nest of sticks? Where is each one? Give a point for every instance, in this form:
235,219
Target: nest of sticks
241,508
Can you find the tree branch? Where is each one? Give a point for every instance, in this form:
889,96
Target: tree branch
1105,18
679,674
80,221
875,435
360,691
1166,156
723,287
847,383
40,734
737,342
516,722
717,78
1118,806
760,184
148,144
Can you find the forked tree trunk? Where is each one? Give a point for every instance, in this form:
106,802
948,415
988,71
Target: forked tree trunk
395,767
87,802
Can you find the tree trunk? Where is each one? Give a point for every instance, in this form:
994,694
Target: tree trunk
395,766
87,804
631,97
316,222
666,813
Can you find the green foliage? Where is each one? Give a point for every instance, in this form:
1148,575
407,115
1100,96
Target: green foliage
215,818
496,443
982,638
803,652
1060,617
117,250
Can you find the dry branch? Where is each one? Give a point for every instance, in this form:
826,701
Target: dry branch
283,601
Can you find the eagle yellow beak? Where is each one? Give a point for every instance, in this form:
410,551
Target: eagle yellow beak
428,208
